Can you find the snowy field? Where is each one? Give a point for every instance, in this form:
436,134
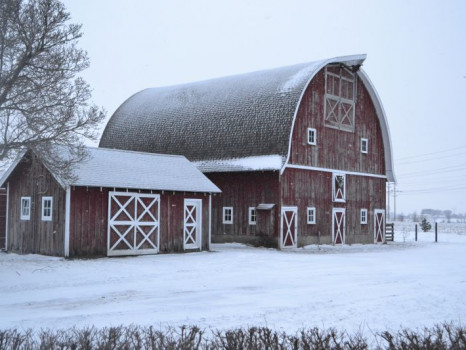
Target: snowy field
359,287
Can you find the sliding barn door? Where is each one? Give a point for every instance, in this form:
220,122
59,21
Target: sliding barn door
133,223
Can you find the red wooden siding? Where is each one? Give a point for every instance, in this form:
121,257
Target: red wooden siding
32,179
2,218
242,190
89,220
337,149
304,188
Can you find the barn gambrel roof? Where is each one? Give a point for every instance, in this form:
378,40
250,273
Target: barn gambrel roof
226,124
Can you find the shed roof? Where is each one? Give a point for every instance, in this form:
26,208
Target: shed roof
218,120
136,170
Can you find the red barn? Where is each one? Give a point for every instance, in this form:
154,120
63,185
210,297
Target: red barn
115,203
302,154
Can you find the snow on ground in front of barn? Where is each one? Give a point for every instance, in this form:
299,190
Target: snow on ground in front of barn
358,287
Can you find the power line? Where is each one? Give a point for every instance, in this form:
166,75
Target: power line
431,153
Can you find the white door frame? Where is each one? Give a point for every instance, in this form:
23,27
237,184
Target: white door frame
342,222
288,233
377,228
189,228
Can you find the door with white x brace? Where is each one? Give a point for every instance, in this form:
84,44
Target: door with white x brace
289,227
192,237
338,226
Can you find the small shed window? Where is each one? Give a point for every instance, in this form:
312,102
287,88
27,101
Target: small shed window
252,216
339,187
25,208
311,215
364,145
364,216
47,205
227,215
312,136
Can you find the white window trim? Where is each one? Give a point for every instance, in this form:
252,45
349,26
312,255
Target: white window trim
28,216
364,142
44,217
342,200
364,216
314,131
251,216
231,217
313,210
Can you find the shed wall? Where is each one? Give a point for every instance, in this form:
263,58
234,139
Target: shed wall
32,179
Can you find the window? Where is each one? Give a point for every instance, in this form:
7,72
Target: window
25,208
47,203
340,92
363,216
339,187
227,215
364,145
252,216
311,215
312,136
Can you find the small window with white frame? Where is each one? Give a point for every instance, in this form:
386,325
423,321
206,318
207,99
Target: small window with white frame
227,215
363,216
252,216
47,206
312,136
311,215
25,208
364,145
339,187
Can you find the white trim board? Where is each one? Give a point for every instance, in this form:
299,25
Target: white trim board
327,170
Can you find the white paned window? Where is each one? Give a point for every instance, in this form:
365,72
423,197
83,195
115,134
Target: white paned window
227,215
363,216
252,216
47,206
340,92
312,136
25,208
339,187
311,215
364,145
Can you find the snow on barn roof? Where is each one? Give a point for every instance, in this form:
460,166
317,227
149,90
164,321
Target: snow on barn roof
216,121
136,170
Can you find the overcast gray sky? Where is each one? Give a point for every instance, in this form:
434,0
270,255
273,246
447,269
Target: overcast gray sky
416,58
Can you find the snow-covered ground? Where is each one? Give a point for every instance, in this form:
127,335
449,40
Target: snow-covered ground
358,287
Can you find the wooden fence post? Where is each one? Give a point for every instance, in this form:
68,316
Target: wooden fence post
435,232
415,232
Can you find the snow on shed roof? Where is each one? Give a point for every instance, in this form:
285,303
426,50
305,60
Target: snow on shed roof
228,118
135,170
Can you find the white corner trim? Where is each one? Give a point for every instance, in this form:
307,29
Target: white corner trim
67,220
328,170
7,213
210,222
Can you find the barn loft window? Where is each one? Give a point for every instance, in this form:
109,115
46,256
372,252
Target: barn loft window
339,187
47,203
312,136
311,215
363,216
364,145
227,215
25,208
252,216
340,92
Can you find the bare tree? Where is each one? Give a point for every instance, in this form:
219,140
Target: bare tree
43,101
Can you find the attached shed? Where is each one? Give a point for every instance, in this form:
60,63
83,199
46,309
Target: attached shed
115,203
302,153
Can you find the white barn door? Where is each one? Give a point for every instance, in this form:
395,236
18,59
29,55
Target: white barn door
192,237
338,226
379,226
289,227
133,223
